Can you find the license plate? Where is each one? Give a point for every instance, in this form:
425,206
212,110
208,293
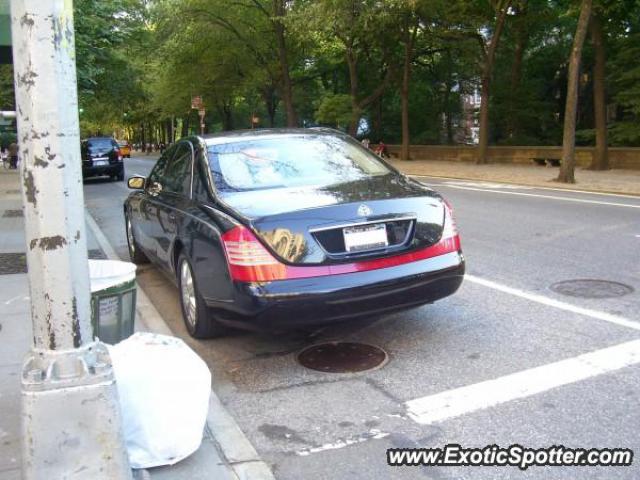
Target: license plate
100,162
366,237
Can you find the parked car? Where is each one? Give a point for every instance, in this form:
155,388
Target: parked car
101,156
281,228
125,148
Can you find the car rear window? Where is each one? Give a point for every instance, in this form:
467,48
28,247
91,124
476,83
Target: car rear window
282,162
100,144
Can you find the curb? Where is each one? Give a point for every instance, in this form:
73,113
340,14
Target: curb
535,185
239,453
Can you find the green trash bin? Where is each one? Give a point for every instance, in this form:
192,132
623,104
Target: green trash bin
113,299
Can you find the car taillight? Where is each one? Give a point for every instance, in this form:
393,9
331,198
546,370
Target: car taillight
119,154
248,259
450,229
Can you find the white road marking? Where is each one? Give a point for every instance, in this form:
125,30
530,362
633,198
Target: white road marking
19,297
478,396
537,195
506,186
551,302
587,192
371,435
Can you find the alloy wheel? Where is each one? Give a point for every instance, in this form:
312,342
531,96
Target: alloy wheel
130,240
187,290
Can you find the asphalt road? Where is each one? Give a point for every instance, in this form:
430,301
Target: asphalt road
503,323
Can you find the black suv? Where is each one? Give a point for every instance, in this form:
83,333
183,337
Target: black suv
101,156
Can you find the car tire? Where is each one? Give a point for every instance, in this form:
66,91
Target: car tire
136,255
120,177
197,317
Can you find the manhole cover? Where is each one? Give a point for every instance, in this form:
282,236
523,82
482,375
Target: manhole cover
12,213
590,288
342,357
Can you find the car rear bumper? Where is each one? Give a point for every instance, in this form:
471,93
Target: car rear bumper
308,301
110,170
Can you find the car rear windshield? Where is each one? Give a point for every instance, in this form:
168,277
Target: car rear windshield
282,162
100,144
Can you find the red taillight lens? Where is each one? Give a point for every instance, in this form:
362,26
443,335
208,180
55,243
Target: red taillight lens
248,260
450,230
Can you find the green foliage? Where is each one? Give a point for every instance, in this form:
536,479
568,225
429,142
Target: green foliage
7,138
626,79
7,98
334,110
140,62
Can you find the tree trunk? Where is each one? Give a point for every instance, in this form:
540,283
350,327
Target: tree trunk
143,135
287,90
409,40
521,41
487,71
270,102
185,126
226,114
567,167
601,155
353,90
377,120
446,107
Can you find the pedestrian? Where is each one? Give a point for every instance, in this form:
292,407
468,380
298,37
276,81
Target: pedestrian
13,155
381,150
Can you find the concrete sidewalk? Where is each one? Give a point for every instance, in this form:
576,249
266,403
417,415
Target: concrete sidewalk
15,340
608,181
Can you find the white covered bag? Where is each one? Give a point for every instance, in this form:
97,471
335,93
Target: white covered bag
164,392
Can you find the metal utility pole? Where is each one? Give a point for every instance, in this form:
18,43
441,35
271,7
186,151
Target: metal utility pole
71,424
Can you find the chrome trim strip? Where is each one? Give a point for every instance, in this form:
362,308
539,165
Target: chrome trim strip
367,222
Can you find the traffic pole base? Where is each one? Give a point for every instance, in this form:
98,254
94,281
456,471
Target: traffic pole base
71,422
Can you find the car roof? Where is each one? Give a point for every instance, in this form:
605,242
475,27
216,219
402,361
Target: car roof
239,135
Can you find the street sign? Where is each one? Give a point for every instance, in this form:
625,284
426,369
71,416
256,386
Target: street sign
196,102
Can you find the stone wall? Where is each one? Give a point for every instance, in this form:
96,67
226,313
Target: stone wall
618,157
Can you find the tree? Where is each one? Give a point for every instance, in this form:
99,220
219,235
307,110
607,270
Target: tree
410,25
623,26
488,50
567,166
600,157
7,98
358,29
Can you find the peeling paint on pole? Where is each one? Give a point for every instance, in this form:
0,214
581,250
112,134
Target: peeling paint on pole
48,127
71,424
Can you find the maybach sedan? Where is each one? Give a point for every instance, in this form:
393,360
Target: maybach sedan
278,229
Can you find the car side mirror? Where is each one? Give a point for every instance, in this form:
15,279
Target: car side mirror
136,182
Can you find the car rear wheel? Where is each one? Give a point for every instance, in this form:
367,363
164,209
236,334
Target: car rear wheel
136,255
195,313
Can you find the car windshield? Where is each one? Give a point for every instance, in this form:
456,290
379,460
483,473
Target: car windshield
281,162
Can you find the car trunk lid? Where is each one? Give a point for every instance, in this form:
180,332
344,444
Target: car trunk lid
359,220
